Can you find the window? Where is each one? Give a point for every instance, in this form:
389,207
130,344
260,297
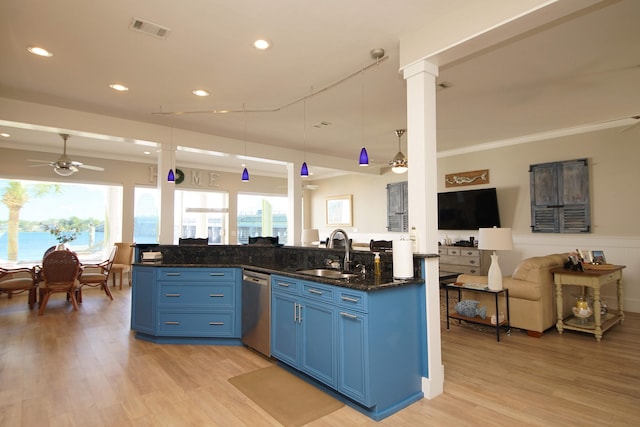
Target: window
89,215
146,215
202,214
261,215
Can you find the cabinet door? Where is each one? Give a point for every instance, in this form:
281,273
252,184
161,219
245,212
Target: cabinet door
284,328
353,363
143,300
319,349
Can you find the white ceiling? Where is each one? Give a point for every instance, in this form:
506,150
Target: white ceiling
575,71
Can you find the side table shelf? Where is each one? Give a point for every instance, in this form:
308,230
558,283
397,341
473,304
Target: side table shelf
478,320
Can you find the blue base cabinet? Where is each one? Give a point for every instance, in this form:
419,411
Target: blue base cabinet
364,345
189,304
303,327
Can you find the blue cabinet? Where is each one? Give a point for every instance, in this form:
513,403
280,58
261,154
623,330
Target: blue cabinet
304,327
186,302
365,345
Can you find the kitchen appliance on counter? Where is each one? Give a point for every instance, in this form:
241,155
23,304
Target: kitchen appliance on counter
151,257
256,311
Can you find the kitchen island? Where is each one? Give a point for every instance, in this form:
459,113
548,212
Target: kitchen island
362,337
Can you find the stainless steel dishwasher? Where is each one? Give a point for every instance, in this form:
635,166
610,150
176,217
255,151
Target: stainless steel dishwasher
256,311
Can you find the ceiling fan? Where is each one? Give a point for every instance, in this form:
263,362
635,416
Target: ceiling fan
64,166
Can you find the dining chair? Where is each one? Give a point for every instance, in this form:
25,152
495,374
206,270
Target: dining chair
60,271
18,280
122,263
94,275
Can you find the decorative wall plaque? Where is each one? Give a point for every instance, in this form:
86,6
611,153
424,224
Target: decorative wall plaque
460,179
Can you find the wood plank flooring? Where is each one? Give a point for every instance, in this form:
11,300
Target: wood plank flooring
85,368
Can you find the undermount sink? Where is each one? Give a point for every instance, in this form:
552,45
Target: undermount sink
328,273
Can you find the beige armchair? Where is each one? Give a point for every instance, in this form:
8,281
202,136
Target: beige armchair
532,303
122,263
17,280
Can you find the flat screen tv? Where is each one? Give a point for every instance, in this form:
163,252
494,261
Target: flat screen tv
468,210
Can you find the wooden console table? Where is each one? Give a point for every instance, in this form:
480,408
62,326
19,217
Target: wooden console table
593,279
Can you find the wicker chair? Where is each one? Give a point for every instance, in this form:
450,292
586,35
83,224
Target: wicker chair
18,280
122,263
94,275
60,271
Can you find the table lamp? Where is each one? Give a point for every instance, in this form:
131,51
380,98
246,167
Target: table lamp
310,237
495,239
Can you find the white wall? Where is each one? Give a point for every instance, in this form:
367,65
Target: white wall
614,174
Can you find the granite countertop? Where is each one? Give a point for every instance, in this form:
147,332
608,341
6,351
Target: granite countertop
367,282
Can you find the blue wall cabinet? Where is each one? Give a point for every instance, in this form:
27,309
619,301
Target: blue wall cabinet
143,300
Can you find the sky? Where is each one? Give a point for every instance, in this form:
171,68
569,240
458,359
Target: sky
60,205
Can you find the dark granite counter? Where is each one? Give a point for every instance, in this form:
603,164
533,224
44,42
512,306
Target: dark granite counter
285,261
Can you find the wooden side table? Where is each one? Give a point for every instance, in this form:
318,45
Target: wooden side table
593,279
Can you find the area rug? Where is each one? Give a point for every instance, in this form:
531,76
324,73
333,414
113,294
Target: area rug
287,398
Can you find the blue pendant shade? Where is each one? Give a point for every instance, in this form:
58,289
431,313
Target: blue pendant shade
364,157
245,175
304,171
171,177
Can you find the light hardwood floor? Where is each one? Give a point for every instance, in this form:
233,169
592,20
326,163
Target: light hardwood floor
85,368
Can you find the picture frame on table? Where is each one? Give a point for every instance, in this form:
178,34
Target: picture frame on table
585,254
597,257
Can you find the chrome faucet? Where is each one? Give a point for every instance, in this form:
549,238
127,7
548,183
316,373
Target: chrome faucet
347,246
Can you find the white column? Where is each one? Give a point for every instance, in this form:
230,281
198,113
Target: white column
294,212
423,204
166,161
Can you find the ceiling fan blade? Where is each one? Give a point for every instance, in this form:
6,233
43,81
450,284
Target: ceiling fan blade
93,168
41,164
40,161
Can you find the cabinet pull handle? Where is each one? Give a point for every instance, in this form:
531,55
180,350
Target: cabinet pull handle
349,299
295,312
216,295
216,323
171,323
299,313
472,261
172,295
350,316
174,274
286,285
315,291
216,274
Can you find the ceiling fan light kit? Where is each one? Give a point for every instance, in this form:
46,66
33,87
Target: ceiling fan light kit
399,164
64,166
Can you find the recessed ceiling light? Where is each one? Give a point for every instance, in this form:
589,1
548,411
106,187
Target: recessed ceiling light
200,92
261,44
118,87
39,51
4,135
147,152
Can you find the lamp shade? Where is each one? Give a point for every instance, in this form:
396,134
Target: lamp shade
495,239
304,170
171,177
364,157
245,175
310,235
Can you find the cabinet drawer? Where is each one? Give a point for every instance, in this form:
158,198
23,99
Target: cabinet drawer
218,324
318,292
453,251
354,300
470,260
282,284
442,250
219,295
470,252
462,269
197,274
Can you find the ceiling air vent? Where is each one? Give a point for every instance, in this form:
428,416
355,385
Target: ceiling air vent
150,28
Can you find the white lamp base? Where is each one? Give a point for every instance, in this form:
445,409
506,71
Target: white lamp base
495,274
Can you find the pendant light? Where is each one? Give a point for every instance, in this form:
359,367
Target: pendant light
171,177
304,170
364,157
245,172
399,164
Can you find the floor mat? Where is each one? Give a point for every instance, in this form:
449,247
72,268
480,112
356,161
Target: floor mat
287,398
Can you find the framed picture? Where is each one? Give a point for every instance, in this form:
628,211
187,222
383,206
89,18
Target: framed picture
339,210
585,254
597,257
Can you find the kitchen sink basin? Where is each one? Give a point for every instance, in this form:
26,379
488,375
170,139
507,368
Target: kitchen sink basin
328,273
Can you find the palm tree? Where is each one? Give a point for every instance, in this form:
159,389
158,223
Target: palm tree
15,196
